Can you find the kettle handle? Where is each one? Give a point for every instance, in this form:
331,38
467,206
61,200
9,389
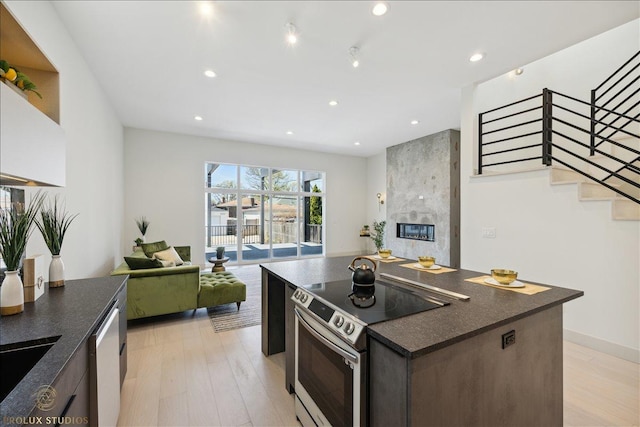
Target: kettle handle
372,261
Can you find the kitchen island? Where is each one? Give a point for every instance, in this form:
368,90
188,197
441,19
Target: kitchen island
59,323
448,366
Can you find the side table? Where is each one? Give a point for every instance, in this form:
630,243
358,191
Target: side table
218,264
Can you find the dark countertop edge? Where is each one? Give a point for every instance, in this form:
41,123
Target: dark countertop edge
413,354
42,372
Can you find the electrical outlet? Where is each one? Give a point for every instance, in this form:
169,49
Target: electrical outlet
508,339
489,232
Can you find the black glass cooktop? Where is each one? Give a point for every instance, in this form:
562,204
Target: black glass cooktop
387,302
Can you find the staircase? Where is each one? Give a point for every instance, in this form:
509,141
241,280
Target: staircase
593,145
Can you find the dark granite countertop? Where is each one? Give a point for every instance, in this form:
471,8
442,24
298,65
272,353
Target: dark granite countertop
422,333
71,312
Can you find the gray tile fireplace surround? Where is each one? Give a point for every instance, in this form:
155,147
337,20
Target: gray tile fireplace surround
423,187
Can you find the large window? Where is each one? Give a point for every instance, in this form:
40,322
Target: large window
260,213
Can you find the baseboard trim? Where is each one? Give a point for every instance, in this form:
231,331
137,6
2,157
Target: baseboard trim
617,350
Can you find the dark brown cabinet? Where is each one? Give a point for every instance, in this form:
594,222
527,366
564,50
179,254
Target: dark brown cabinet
69,393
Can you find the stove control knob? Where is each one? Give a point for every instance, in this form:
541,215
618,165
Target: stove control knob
304,298
338,321
349,328
296,294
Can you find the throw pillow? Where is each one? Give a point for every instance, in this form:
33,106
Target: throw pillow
169,255
151,248
167,263
136,263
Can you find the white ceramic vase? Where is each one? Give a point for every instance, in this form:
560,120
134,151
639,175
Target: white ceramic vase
56,272
143,239
11,294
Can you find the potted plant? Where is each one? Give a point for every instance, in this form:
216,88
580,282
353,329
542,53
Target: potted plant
16,225
143,225
220,252
53,225
377,235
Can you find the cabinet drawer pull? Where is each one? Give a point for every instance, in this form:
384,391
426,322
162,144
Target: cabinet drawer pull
66,409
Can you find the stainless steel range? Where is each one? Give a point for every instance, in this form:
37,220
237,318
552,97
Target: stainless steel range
331,345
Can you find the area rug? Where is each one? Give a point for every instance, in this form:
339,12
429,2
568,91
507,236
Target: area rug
227,317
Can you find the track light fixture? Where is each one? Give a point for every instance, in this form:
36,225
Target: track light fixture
353,53
292,33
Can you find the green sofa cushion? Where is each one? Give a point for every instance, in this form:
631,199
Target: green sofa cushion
150,248
137,263
220,288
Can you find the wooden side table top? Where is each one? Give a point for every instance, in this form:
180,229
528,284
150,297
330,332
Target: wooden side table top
218,264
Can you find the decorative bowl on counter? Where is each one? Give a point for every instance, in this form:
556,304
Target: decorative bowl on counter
384,253
504,277
426,261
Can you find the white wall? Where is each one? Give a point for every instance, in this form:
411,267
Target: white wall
544,232
94,163
376,183
164,181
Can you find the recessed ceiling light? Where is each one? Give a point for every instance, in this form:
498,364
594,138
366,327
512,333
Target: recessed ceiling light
198,118
353,53
415,122
206,8
292,33
210,73
476,57
289,132
333,102
518,71
356,143
379,9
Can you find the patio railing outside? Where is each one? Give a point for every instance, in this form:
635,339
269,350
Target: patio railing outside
221,235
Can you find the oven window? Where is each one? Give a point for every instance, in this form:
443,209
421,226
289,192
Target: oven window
327,379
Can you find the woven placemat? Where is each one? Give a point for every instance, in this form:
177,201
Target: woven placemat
417,267
528,288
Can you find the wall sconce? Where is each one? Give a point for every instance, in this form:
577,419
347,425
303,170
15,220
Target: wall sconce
380,200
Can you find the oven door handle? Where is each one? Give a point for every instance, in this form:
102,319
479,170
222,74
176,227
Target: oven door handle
323,340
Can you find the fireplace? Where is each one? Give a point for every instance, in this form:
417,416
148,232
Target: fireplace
425,232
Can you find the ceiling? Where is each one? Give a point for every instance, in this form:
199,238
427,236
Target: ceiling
149,56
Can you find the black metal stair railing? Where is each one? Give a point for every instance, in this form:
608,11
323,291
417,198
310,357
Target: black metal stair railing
571,145
510,140
623,91
571,132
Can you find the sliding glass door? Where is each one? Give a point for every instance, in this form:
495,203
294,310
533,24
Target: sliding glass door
260,213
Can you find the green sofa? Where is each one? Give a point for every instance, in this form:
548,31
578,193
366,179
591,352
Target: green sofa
164,290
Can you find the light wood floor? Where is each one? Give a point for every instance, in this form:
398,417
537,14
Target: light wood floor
182,373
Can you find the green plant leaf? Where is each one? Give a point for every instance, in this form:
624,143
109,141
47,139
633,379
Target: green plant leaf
53,225
16,224
143,224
